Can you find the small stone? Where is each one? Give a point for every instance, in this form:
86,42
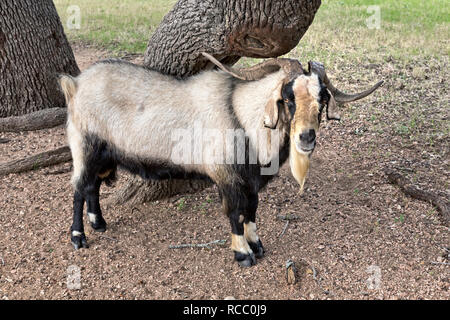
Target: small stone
230,298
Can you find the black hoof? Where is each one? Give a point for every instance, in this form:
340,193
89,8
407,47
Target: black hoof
257,248
99,225
245,260
79,241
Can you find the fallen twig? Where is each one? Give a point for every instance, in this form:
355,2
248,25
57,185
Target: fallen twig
3,140
441,204
106,237
197,245
444,263
37,161
284,229
288,217
318,279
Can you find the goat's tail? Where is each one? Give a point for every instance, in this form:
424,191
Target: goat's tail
69,86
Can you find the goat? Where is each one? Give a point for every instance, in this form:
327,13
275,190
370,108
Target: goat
121,114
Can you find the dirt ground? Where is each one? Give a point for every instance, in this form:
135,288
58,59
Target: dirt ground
357,236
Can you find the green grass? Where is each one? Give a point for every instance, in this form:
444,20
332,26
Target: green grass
181,205
124,25
408,28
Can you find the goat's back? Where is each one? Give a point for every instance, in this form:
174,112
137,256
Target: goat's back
138,110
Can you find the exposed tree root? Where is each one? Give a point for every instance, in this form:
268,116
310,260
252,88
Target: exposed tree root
137,190
38,120
37,161
441,204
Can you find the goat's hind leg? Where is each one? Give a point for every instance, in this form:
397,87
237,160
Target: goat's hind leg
87,182
99,167
94,211
77,235
88,192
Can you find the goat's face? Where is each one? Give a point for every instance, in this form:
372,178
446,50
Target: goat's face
297,105
303,100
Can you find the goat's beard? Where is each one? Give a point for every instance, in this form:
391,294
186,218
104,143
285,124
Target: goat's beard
299,163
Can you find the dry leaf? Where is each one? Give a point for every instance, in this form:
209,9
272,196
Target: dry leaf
291,272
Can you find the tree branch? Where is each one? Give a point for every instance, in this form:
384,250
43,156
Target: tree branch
37,161
38,120
442,205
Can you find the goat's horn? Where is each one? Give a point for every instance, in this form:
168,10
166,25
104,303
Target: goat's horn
339,96
233,72
260,70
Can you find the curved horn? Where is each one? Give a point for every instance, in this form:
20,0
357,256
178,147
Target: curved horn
339,95
260,70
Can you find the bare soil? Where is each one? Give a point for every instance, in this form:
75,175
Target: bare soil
352,222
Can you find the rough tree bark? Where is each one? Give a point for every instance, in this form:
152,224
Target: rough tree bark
229,30
37,161
42,119
33,51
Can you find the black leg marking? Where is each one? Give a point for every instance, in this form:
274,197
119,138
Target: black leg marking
240,203
94,211
245,260
250,227
77,235
257,248
235,202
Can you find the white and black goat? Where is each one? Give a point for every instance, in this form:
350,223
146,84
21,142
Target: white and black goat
120,114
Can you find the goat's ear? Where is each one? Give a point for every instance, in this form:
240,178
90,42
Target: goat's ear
271,113
332,108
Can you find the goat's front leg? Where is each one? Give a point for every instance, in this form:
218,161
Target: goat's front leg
235,204
250,227
243,254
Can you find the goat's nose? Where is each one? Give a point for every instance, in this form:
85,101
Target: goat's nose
308,136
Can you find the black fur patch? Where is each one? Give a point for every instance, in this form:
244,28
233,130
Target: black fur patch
324,97
287,93
101,157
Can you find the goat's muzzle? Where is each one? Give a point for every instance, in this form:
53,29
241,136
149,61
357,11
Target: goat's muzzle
306,141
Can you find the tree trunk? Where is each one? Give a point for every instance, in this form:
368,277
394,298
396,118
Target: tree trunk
33,51
229,30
